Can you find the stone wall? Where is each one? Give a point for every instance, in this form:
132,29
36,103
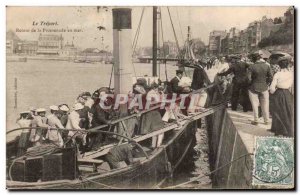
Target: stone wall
226,145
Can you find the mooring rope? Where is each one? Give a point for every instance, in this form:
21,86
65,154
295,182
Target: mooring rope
99,183
207,174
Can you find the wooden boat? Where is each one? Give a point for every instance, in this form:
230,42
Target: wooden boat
152,169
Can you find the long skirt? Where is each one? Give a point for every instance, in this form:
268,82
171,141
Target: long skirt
150,121
283,113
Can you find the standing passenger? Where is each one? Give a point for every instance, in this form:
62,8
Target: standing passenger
260,77
77,137
175,82
65,112
54,135
24,121
240,84
283,112
100,117
37,136
64,109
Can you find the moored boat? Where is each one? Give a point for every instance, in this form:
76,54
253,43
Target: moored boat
63,168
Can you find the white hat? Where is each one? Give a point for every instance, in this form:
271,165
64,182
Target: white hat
53,107
41,110
64,108
78,106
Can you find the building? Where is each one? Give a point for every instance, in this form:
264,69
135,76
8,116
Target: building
247,40
215,38
233,38
68,50
145,51
90,52
254,35
243,43
12,42
27,47
94,54
289,15
49,44
224,45
170,49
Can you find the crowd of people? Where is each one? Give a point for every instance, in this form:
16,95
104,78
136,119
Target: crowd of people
262,85
85,114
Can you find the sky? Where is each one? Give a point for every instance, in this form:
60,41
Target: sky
201,19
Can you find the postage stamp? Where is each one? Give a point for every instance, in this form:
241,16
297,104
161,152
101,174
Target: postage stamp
273,162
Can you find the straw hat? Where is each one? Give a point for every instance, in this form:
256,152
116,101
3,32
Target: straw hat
40,110
78,106
53,107
64,108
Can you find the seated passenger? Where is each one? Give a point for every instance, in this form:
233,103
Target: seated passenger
118,154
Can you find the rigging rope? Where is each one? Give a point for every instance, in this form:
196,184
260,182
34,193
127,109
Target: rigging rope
162,37
158,42
111,73
137,33
180,25
136,37
174,31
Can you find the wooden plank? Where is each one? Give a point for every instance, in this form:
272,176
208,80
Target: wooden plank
89,160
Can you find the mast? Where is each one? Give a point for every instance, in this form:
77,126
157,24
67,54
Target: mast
189,33
154,43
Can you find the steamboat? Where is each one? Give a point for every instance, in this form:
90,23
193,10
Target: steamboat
61,168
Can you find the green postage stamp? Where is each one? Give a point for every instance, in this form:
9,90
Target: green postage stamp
273,162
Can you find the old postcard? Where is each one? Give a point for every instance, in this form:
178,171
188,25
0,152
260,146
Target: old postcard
155,98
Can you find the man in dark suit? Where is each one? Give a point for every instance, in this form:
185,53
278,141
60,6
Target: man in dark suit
175,82
200,78
240,83
260,77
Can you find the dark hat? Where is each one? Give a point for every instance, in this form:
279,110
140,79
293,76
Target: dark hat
179,71
96,94
283,62
235,57
254,55
283,58
86,94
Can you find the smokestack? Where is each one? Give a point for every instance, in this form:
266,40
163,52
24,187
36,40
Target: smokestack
122,50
